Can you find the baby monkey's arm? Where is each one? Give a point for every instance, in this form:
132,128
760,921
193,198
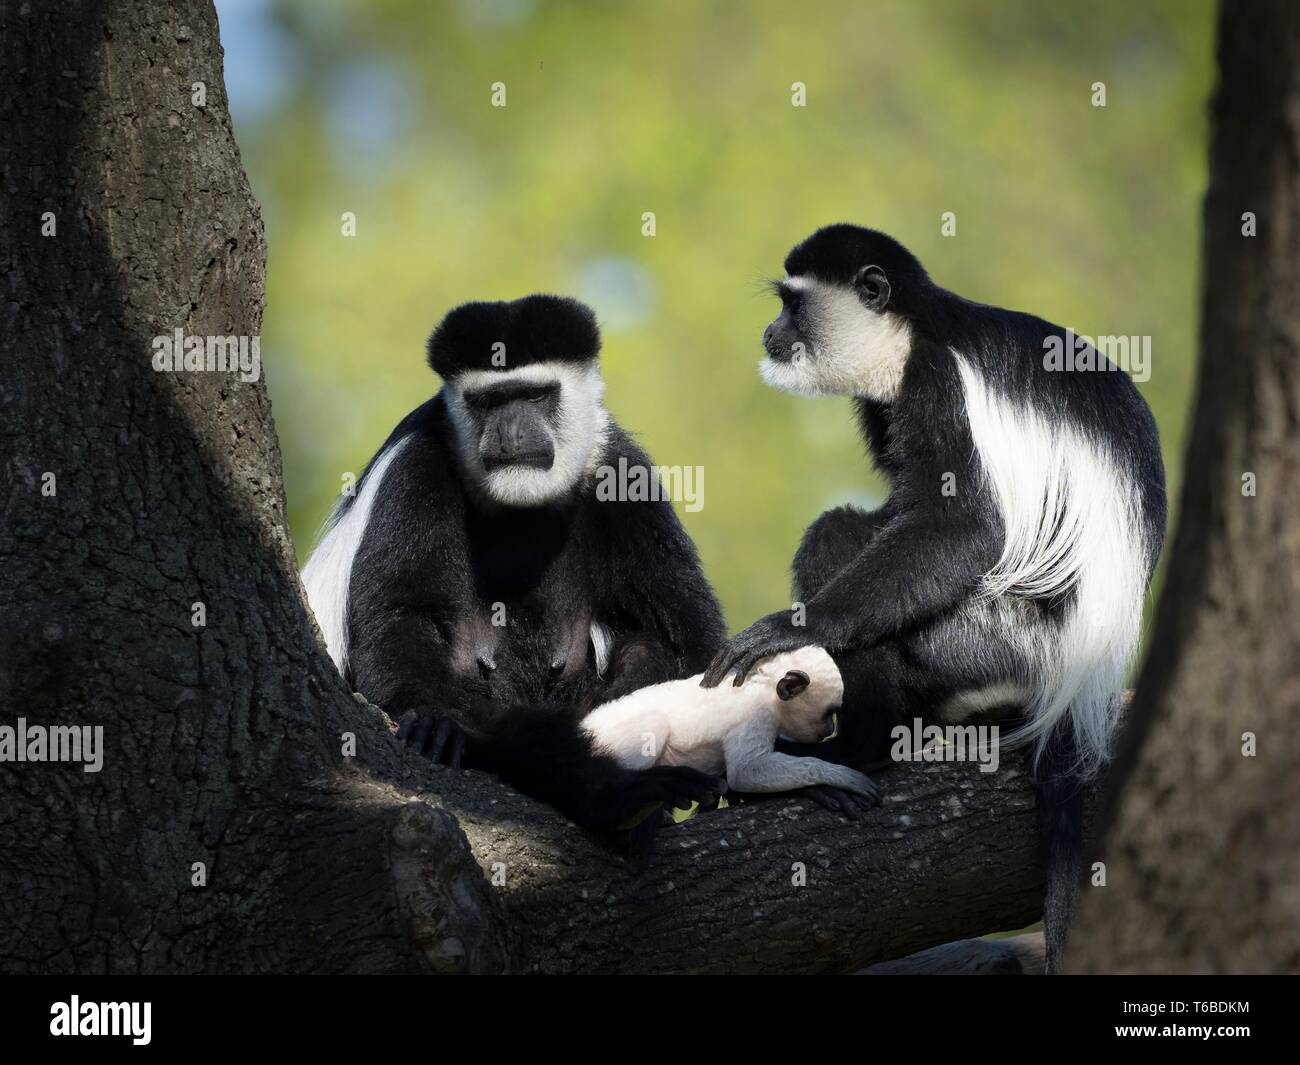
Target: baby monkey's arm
753,766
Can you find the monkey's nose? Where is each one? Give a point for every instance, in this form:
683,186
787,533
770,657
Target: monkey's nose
767,336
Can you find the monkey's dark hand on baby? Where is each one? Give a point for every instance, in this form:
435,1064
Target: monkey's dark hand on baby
767,636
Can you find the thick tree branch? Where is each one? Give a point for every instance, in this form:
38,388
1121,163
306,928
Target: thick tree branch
950,853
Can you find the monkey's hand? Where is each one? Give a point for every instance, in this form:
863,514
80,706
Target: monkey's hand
767,636
851,804
434,735
845,790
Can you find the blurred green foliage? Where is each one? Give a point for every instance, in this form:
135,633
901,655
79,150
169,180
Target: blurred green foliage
1084,215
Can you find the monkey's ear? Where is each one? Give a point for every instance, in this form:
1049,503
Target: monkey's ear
873,287
792,684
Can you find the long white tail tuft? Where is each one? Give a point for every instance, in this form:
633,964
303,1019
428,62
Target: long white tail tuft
1073,525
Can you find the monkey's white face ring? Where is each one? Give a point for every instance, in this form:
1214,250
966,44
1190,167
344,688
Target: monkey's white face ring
577,434
851,351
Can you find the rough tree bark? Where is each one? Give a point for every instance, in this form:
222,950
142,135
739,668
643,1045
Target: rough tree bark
224,743
1203,855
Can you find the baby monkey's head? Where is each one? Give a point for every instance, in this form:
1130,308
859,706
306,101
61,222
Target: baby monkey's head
806,689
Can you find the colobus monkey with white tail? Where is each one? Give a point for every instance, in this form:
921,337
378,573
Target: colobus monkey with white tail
475,588
1008,567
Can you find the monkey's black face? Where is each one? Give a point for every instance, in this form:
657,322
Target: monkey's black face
527,436
836,338
514,423
784,338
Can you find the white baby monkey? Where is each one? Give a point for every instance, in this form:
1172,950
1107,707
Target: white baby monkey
793,694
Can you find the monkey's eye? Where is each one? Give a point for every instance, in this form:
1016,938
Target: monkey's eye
537,395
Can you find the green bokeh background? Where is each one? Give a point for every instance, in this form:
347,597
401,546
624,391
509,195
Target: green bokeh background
1088,216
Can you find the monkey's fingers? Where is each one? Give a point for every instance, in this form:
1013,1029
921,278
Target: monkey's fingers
416,729
424,733
859,801
863,803
740,655
834,799
455,749
712,803
709,801
443,732
864,788
743,662
745,666
719,667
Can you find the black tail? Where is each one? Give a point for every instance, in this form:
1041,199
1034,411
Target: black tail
543,752
1060,830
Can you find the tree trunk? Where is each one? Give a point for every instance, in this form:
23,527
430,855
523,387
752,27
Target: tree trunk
229,830
1203,856
222,741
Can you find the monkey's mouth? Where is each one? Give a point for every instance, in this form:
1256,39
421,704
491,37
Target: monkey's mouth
530,460
783,353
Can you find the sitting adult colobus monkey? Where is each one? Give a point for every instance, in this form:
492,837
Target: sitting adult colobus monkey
1008,567
475,588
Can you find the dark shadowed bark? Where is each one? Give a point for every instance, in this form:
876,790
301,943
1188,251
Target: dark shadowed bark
224,743
1022,955
1203,857
221,742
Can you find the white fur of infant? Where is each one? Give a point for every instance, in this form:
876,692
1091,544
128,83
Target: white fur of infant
793,694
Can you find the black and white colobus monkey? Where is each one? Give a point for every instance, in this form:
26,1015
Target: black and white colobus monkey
475,588
1008,567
